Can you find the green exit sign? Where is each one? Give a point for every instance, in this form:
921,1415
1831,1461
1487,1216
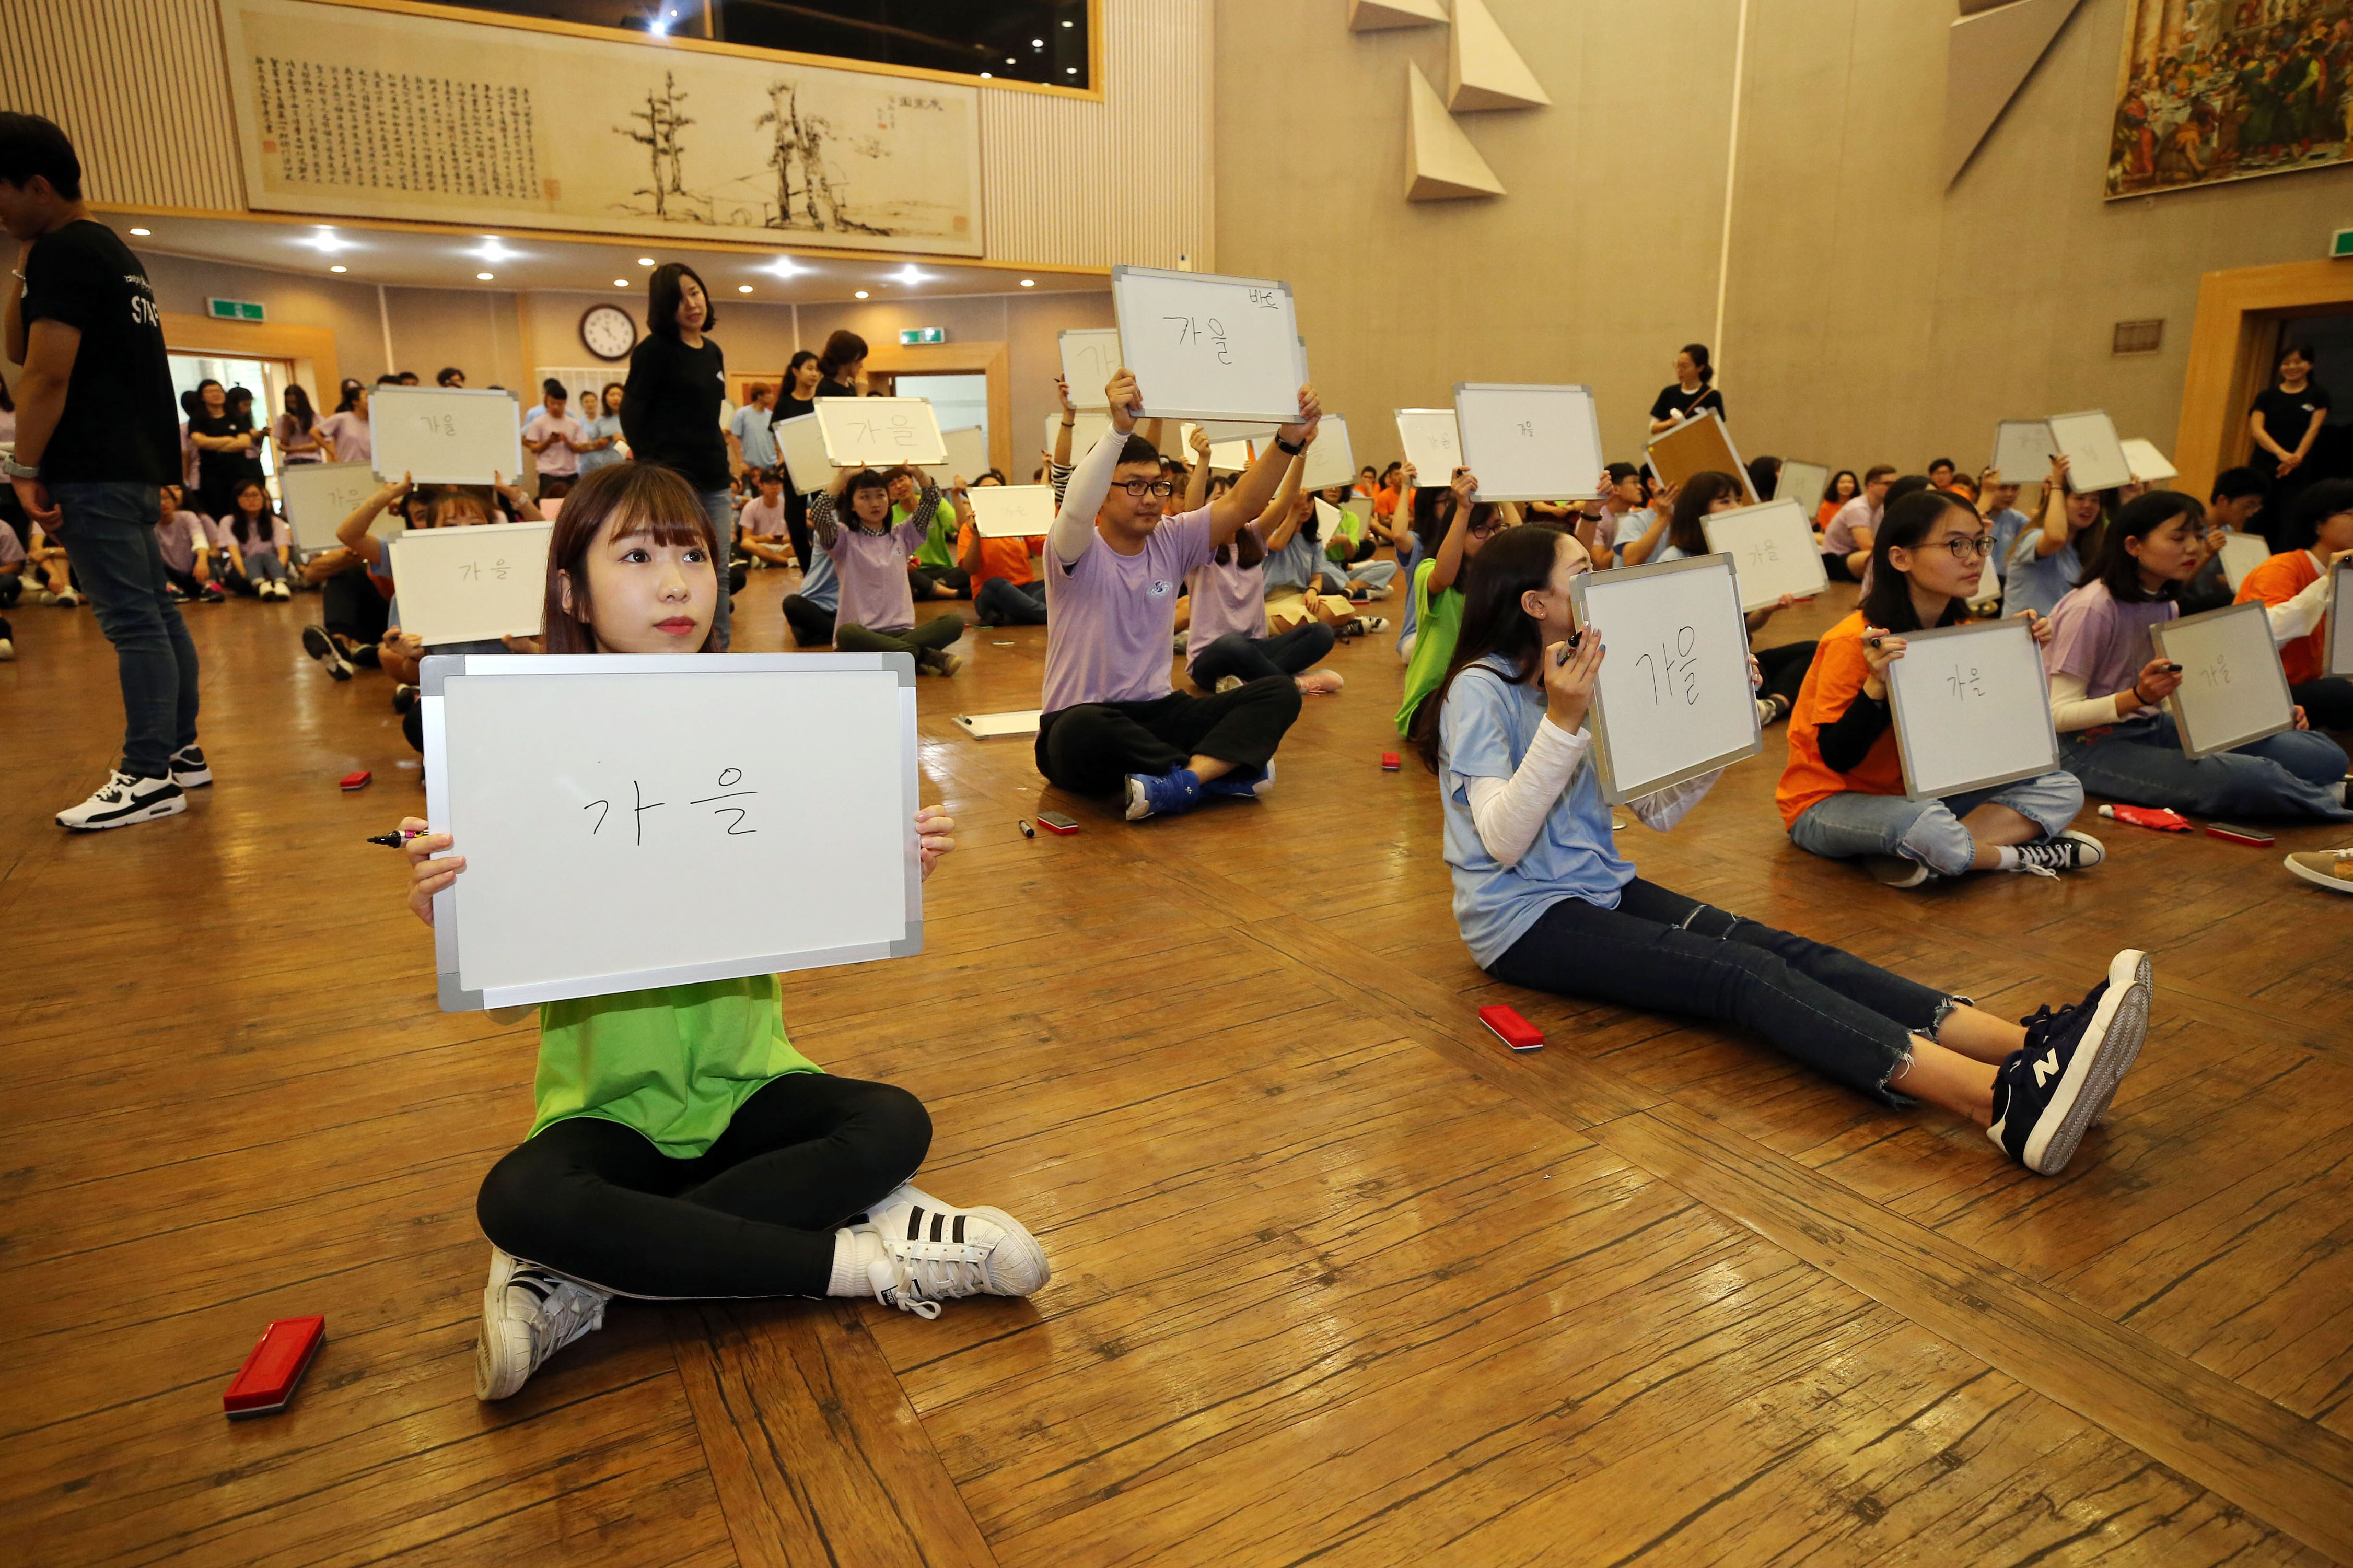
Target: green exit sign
923,334
2341,243
237,310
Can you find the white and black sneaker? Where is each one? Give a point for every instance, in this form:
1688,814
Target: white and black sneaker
2046,1095
123,799
2069,852
189,769
321,646
528,1314
920,1254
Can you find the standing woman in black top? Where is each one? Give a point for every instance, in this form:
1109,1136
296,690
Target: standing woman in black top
797,398
226,453
2285,421
841,369
1693,391
670,403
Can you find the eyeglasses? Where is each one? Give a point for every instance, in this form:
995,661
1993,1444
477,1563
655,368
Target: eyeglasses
1963,546
1487,529
1139,489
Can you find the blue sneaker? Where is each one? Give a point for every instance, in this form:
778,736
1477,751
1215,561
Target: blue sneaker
1162,795
2048,1094
1243,783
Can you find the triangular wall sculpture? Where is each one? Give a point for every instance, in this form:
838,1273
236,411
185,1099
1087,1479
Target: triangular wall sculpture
1992,53
1440,163
1372,16
1483,70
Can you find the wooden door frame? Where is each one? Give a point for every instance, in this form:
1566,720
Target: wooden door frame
993,360
2230,347
312,348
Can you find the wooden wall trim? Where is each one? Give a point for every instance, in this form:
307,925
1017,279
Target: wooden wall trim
313,349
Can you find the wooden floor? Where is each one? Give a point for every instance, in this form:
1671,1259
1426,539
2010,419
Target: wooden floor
1337,1279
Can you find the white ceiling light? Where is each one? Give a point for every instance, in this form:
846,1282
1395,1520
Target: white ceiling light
645,261
1029,282
142,231
483,276
985,75
328,240
1070,71
492,250
339,266
784,266
620,282
1037,43
862,293
910,275
743,287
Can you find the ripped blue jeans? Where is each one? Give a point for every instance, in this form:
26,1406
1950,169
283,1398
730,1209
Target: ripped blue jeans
1844,825
1659,951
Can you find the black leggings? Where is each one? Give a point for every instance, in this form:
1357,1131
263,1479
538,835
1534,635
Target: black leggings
1661,952
812,624
1784,669
752,1215
2328,702
1253,658
1091,747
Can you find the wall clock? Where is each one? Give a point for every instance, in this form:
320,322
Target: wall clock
608,332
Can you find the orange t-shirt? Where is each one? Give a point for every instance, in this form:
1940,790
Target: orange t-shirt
1833,682
1007,558
2275,581
1824,513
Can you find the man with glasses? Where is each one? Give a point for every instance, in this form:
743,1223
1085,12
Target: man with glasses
1114,564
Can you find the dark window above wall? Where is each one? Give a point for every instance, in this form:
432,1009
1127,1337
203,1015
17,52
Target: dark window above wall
1042,42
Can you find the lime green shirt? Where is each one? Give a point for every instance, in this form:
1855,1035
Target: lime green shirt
938,549
1437,622
673,1063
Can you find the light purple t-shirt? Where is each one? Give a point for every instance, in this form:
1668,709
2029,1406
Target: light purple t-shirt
1228,598
180,536
348,435
873,572
1857,513
12,549
1110,616
2104,642
761,519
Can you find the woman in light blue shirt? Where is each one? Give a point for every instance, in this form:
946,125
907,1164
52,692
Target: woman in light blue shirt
600,445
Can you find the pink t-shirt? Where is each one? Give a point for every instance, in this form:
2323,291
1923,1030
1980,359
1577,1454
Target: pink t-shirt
873,572
1228,598
1110,616
761,519
556,459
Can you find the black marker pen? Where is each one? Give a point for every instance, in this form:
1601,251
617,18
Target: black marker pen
395,840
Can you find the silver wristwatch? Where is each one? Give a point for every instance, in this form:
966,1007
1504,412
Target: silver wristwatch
18,470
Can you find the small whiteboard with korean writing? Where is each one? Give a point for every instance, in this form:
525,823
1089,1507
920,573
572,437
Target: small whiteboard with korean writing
1529,443
1698,445
469,585
1772,549
1972,708
2242,553
1090,359
317,497
1331,460
668,801
880,432
1675,699
445,436
2233,688
1433,445
967,457
1203,346
1805,483
2022,451
800,447
1012,512
2096,458
2340,620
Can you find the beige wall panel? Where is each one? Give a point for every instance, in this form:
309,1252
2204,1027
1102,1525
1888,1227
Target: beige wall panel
346,310
473,329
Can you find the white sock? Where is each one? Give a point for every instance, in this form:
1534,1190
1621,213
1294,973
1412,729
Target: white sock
2008,861
852,1251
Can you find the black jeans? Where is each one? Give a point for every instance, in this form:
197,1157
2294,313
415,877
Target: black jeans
350,606
1784,669
797,525
2328,702
108,531
812,624
1659,951
1002,602
752,1215
1254,658
1091,747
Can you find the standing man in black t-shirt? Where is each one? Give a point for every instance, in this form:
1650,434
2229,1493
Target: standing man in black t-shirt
97,436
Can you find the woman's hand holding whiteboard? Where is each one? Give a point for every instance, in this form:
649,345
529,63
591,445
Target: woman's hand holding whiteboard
1529,443
1772,549
2232,690
2096,458
1012,512
445,436
1203,346
880,432
1433,443
319,496
1674,698
1972,708
470,585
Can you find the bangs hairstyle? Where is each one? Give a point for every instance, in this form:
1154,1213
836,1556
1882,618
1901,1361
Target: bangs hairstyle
641,501
1699,495
665,291
2140,518
1516,561
1903,526
441,501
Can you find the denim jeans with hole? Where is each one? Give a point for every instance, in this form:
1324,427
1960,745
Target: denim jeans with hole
721,505
1850,823
107,531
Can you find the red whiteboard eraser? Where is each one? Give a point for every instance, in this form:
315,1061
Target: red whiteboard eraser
1508,1026
264,1384
358,780
1390,763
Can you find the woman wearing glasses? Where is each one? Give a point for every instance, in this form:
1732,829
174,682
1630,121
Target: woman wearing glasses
1842,795
1452,529
851,520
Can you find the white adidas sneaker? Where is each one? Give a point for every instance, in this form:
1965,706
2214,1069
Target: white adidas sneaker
528,1314
920,1254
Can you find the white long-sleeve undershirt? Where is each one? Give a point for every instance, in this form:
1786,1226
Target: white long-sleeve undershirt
1510,813
2295,617
1075,524
2072,707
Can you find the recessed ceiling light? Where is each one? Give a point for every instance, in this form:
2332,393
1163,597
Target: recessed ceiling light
910,275
326,240
1037,43
1029,282
645,261
1070,24
1070,71
862,293
743,287
142,231
491,250
984,75
1011,61
483,276
339,266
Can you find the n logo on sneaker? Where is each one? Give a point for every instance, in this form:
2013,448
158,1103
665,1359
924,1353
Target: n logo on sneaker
2046,1068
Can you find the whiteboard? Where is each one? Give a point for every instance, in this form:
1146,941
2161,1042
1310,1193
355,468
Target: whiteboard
1972,708
2096,458
2148,465
2338,659
1433,445
1698,445
1673,699
1012,512
445,436
1805,483
2233,689
1225,457
317,497
1331,460
468,585
880,432
1207,347
1772,549
992,726
1331,523
1223,430
2022,451
1090,359
1092,423
801,447
967,449
1529,443
2242,553
632,788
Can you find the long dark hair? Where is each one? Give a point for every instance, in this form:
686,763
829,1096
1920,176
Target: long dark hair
297,403
1830,491
2141,516
1693,502
1515,562
1764,477
350,394
792,370
665,291
1903,526
844,348
656,503
1247,550
237,522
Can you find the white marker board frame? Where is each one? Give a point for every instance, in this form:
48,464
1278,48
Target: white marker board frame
1593,593
1536,442
2251,551
1331,460
317,497
800,447
1784,532
967,456
1941,758
1700,444
1225,457
612,949
998,726
2148,465
1803,482
1206,346
2096,458
2211,721
880,432
1086,429
436,606
1081,349
2338,654
445,436
1434,448
2026,443
1012,512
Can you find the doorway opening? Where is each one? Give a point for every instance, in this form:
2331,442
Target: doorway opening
267,379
